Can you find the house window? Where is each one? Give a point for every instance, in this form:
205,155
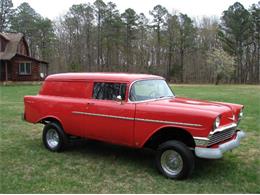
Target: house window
25,68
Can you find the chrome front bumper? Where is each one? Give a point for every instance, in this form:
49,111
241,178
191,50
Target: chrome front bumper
216,153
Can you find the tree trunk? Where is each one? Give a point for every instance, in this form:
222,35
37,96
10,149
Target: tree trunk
257,72
99,52
182,64
168,68
218,79
158,46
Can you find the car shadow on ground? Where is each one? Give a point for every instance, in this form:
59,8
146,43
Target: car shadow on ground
143,158
103,150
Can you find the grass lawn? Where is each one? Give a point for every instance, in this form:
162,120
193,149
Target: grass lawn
94,167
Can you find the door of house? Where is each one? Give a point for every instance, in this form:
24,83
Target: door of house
9,71
2,70
3,65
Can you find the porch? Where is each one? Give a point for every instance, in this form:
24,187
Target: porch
21,68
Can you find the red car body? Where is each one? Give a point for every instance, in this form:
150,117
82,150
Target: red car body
68,99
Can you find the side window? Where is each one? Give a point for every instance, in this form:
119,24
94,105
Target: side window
109,91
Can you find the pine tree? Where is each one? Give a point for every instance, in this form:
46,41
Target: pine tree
6,12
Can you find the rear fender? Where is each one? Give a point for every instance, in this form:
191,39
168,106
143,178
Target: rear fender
49,118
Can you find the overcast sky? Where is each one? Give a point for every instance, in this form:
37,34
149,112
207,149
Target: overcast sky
194,8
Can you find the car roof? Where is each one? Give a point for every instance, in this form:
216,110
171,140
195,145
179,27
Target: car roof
122,77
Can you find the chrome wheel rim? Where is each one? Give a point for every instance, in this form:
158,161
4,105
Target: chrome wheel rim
52,138
171,162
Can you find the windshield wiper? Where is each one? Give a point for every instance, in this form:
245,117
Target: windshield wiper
165,96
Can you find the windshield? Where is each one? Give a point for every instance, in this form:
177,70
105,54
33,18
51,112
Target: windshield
149,89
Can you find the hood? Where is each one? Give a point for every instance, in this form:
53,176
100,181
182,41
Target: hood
195,104
212,108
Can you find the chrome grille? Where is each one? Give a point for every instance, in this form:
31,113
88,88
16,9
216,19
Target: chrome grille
221,136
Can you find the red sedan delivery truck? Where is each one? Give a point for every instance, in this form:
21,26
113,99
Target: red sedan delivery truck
134,110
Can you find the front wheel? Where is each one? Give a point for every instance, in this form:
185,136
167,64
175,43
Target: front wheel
174,160
53,137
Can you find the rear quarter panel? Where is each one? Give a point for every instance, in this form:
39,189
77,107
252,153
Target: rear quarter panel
58,100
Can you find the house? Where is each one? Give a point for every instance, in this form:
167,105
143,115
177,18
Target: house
16,63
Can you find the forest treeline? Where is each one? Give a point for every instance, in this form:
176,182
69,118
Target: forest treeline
97,37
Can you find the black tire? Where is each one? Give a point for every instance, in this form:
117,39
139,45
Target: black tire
54,130
181,157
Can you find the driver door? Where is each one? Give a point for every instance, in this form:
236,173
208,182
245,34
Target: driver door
110,120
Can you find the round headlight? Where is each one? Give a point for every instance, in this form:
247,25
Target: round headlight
217,122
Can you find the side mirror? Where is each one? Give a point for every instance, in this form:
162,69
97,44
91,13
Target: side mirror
119,98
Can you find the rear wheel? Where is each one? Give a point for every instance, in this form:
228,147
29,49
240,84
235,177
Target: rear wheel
53,137
174,160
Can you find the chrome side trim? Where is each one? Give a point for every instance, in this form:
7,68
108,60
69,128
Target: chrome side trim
103,115
137,119
223,128
168,122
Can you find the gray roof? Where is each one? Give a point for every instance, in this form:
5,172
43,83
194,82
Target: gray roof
11,47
